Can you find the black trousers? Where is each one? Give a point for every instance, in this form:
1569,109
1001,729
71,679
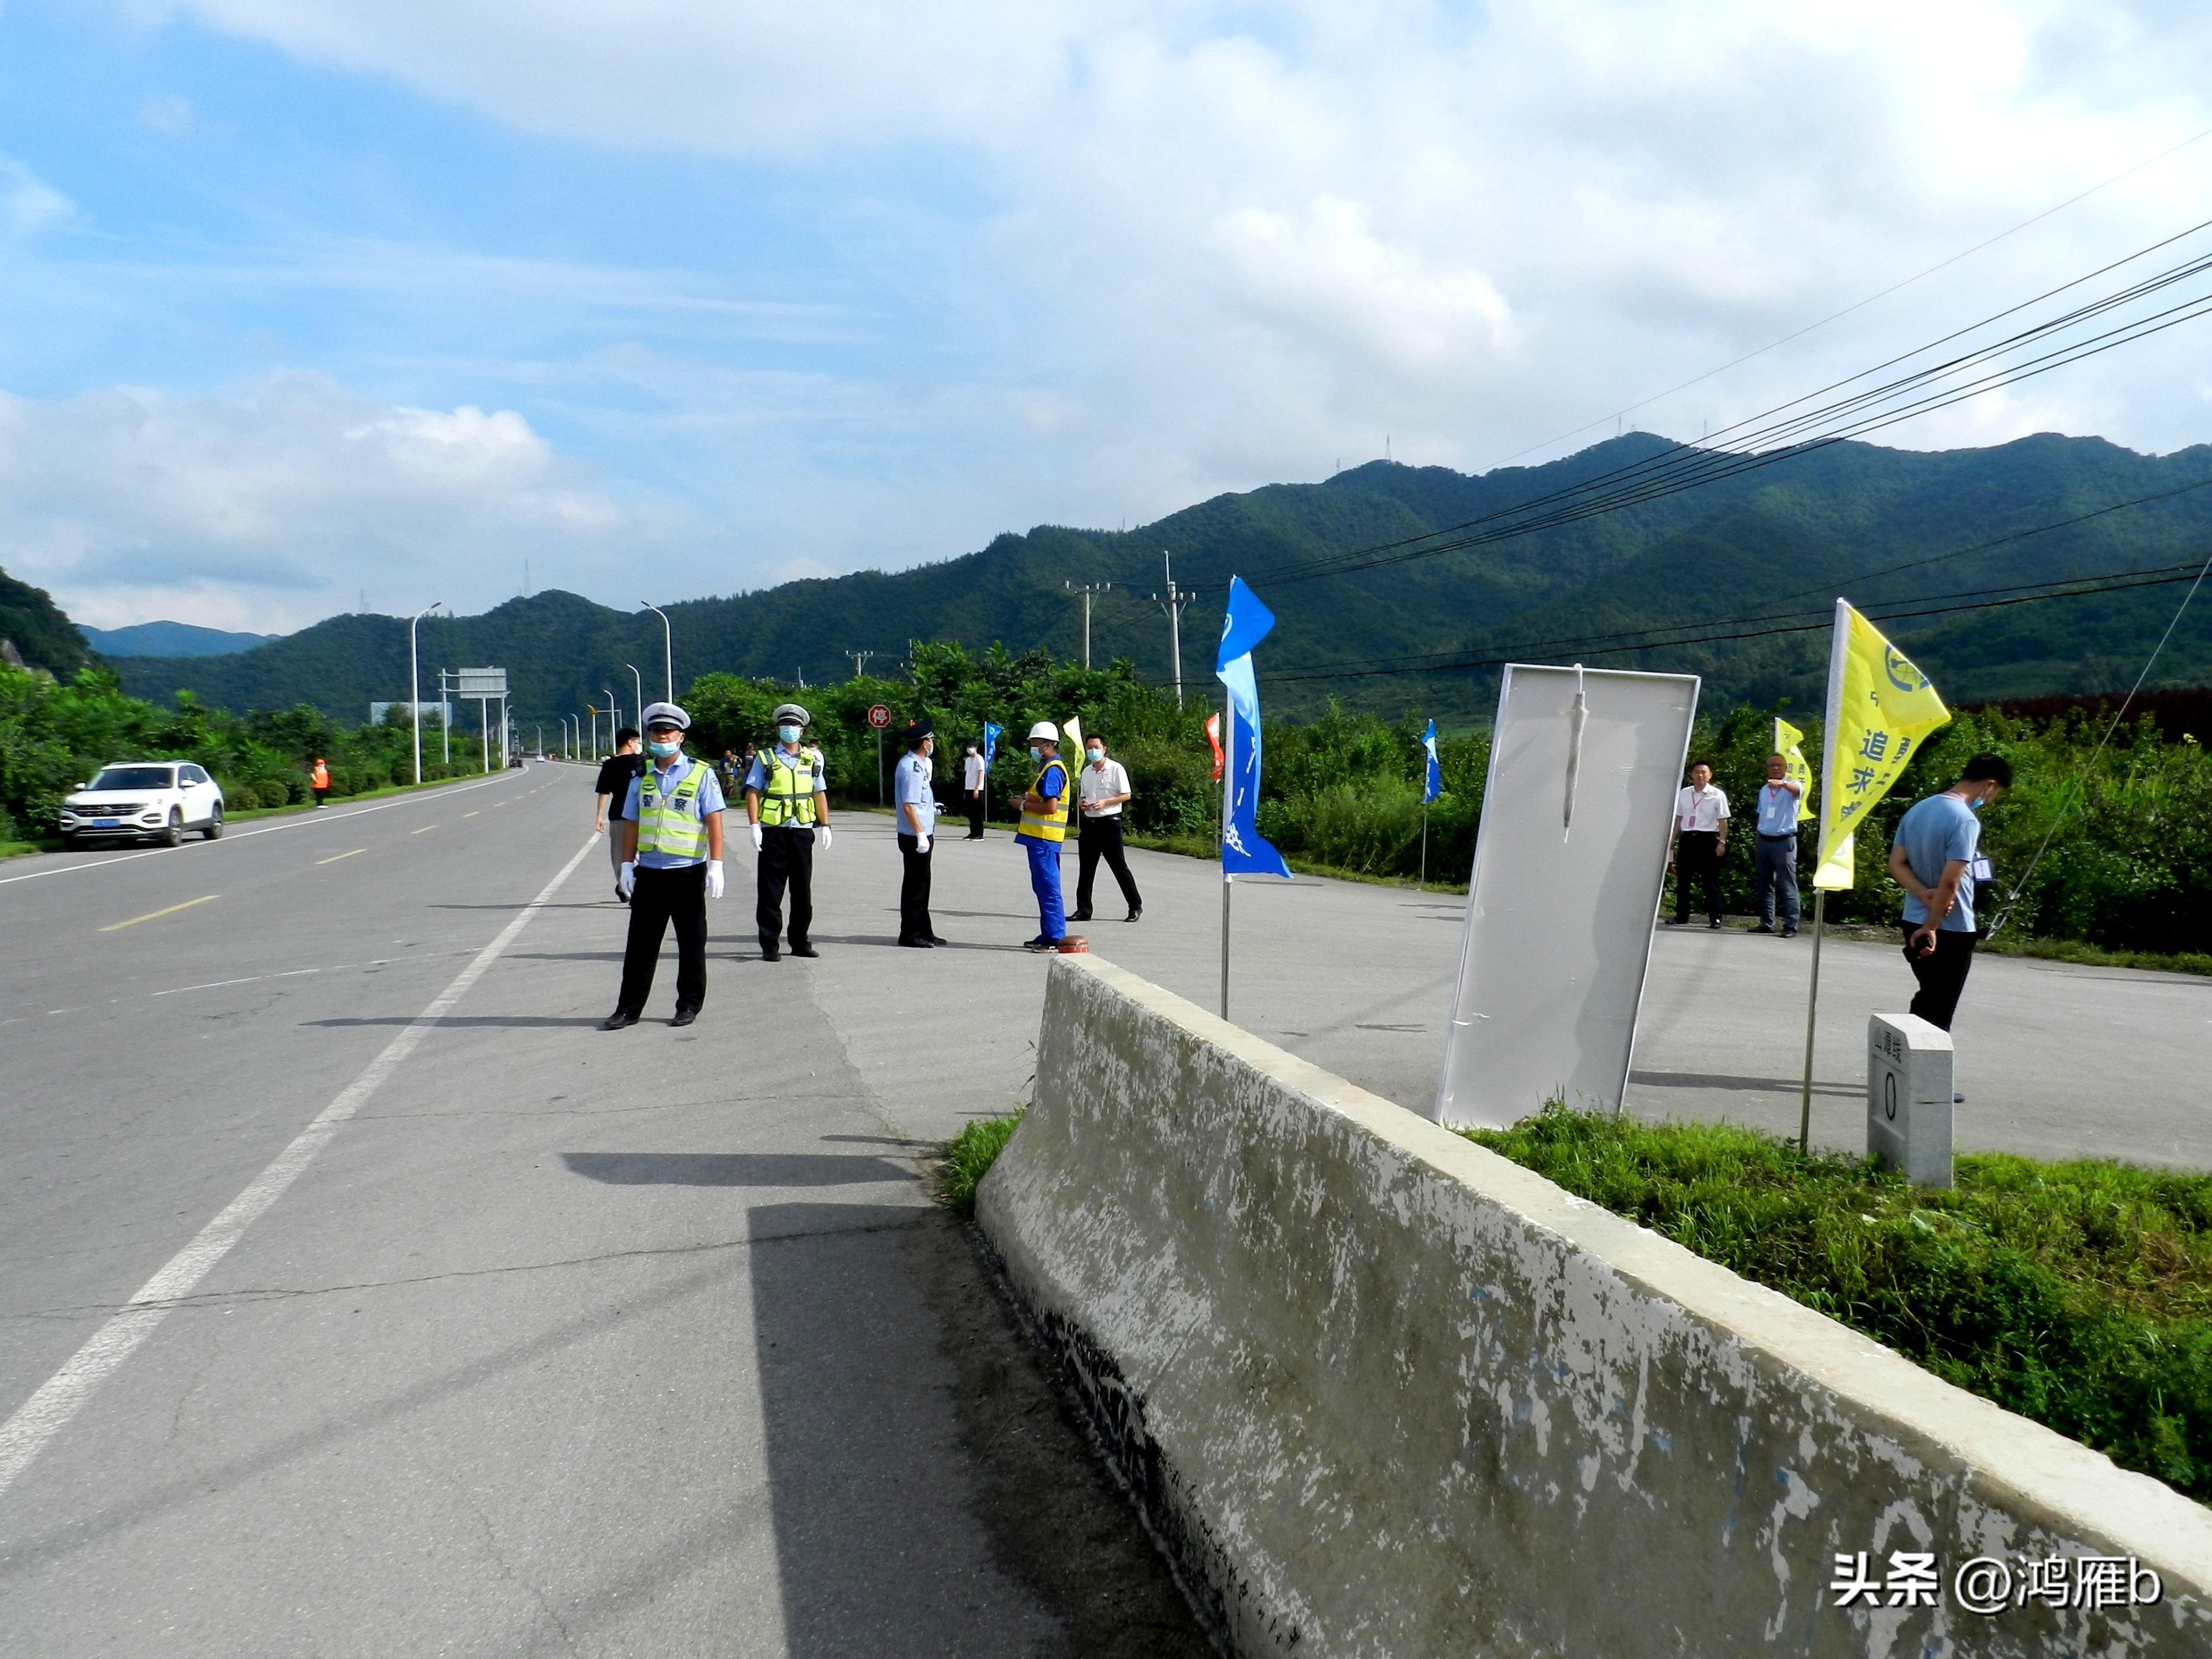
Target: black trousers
1941,974
786,857
1096,839
662,897
1698,859
913,890
976,799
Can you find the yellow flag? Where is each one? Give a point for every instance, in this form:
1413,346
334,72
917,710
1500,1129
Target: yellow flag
1787,738
1074,730
1881,709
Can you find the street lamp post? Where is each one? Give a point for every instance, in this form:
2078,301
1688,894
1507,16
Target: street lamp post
638,680
415,684
614,716
667,648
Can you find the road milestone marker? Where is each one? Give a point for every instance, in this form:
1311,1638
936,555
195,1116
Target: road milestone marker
1909,1074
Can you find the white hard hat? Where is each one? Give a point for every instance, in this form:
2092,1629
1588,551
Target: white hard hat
1046,731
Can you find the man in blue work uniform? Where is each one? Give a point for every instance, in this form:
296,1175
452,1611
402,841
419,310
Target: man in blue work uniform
1043,828
1935,857
671,825
787,799
915,803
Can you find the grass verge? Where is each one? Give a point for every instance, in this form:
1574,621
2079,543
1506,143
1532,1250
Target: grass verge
2067,950
2078,1294
968,1157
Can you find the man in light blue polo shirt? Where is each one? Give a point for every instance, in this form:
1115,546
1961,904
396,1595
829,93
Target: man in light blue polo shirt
670,826
1935,858
1774,854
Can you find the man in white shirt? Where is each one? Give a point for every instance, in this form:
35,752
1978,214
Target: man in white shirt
1693,852
973,779
1101,792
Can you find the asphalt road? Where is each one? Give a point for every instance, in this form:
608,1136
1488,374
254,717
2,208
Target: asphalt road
362,1298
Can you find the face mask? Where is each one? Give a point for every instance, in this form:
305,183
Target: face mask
1976,803
664,749
1036,753
1097,755
788,733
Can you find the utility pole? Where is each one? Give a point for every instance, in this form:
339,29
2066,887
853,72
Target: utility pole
1089,590
1173,603
860,660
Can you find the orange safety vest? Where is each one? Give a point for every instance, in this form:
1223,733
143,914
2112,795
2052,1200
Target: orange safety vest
322,777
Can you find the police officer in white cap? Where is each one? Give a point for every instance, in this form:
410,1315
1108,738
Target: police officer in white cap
670,826
788,801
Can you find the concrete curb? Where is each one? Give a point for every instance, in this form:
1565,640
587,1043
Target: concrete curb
1383,1392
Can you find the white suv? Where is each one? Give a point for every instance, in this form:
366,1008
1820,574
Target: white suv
144,800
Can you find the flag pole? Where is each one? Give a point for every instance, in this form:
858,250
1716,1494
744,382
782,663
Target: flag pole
1228,784
1812,1004
1425,844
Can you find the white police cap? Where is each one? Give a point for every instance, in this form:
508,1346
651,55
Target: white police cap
664,713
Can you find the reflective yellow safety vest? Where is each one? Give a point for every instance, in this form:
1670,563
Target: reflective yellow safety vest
666,822
1051,825
789,797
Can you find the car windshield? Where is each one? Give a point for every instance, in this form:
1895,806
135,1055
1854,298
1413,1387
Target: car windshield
133,777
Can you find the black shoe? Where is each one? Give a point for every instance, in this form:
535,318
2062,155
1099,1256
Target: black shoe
805,950
1764,927
915,944
1041,944
684,1016
1079,915
1715,924
618,1019
1790,933
1135,911
933,939
769,953
1678,921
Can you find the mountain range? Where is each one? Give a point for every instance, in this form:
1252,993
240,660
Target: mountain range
169,639
1739,560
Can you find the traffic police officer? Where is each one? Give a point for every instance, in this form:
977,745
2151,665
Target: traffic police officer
1044,827
915,803
788,801
671,848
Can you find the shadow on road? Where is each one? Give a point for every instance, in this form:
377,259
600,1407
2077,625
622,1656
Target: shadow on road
736,1169
526,1020
1764,1085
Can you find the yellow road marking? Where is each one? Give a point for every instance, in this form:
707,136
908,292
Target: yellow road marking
355,853
151,915
424,830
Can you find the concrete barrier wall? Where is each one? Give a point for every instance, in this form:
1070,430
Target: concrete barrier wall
1379,1391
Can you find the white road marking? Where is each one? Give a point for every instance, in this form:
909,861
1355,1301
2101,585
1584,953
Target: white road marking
355,853
304,819
48,1412
218,984
155,915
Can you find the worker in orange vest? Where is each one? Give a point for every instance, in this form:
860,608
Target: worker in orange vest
320,781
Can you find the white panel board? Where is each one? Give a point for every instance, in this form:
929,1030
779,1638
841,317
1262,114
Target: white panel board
1559,914
480,682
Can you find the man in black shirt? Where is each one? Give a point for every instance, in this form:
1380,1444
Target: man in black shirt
617,773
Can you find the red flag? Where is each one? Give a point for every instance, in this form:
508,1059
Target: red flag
1213,737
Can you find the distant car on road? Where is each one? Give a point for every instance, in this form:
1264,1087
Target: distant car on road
144,801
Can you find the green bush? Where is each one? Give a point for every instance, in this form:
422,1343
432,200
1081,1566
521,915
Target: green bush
968,1158
2078,1294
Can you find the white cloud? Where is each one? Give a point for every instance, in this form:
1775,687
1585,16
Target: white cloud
270,505
171,116
27,203
1244,241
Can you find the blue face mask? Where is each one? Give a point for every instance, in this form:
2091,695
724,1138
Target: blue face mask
664,749
787,733
1036,753
1975,805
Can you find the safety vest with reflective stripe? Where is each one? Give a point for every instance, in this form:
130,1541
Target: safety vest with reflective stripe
789,797
1050,825
665,822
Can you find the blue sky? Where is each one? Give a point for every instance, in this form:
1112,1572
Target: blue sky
304,299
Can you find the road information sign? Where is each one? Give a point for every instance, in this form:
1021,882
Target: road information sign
879,716
480,682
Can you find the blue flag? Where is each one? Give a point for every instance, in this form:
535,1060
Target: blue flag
1433,785
991,736
1243,852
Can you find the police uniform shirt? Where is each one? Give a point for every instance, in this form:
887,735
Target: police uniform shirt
1696,809
757,778
911,788
709,799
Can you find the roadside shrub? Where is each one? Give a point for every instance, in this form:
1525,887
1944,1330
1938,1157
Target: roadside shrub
968,1158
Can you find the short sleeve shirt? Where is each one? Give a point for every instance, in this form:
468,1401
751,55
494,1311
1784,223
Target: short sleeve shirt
707,801
972,772
616,773
1933,833
1704,810
1097,782
1777,810
911,788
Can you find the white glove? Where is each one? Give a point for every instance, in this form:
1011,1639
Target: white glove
921,843
626,879
757,838
824,834
713,878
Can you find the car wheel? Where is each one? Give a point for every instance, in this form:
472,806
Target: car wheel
213,828
174,836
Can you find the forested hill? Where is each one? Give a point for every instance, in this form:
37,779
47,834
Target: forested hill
1730,556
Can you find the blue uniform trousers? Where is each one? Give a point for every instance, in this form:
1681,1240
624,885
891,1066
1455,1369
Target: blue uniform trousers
1044,881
